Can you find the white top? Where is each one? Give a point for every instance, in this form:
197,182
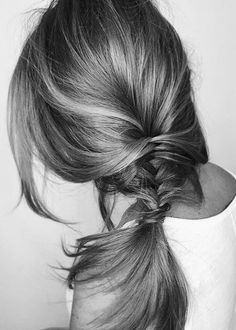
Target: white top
206,250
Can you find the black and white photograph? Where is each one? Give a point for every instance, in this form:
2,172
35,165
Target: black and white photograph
118,165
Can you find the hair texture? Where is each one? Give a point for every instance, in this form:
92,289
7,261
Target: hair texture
102,92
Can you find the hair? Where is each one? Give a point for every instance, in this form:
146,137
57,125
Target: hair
102,92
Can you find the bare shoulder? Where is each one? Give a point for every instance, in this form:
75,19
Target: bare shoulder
220,178
219,189
218,185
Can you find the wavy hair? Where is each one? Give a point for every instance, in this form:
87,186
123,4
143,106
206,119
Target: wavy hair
102,92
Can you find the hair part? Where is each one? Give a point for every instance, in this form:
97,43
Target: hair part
102,92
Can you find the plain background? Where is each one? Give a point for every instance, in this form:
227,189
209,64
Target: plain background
32,296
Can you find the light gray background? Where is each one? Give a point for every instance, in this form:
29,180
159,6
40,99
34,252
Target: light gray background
31,297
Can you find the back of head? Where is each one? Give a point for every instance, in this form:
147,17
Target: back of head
102,92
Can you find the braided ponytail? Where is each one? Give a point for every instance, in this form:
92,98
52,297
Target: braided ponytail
137,260
102,92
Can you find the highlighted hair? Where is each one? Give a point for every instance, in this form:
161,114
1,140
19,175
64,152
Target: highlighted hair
102,92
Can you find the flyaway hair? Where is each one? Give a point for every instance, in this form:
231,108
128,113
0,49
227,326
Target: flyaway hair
102,92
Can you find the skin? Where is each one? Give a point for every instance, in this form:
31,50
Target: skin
219,188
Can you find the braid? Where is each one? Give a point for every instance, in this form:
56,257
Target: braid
155,179
102,92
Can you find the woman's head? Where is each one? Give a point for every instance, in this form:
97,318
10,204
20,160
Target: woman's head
102,91
95,82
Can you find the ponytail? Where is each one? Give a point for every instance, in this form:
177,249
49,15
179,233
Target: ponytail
137,260
102,92
140,265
